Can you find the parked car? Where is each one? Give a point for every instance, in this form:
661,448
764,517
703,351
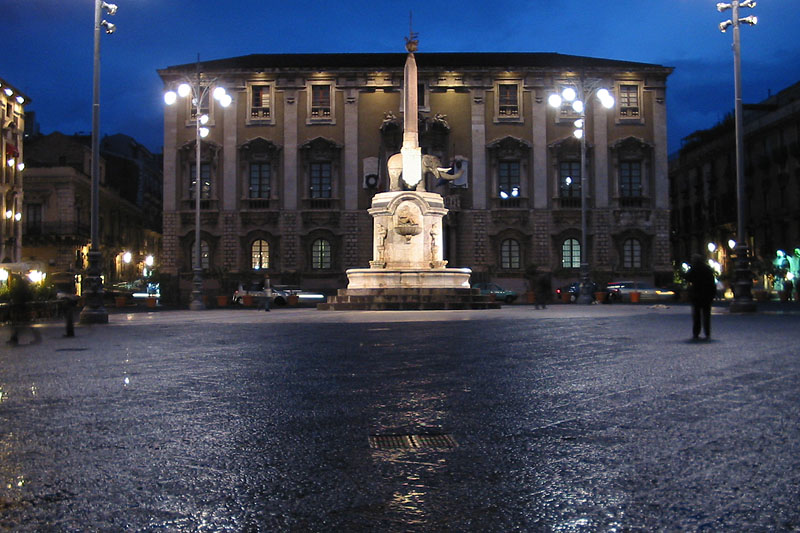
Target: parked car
138,288
500,294
257,290
621,290
303,297
574,290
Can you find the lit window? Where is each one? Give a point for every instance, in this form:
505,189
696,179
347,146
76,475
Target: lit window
508,179
629,101
571,254
205,180
510,254
632,253
259,180
260,100
320,101
508,100
320,182
321,254
204,109
569,179
259,254
204,255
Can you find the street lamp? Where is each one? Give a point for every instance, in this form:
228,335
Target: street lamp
743,279
578,94
198,88
94,312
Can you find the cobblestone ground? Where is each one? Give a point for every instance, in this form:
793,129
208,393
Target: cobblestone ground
570,419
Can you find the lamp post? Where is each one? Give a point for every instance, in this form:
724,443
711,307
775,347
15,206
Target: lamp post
94,312
743,279
198,88
578,93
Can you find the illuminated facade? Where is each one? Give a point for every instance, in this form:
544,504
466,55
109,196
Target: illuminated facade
57,223
703,189
12,128
288,171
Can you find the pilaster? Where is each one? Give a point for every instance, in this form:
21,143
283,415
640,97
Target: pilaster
478,121
290,150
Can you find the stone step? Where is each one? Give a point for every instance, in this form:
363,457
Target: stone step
396,299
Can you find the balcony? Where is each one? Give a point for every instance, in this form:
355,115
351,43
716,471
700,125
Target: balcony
633,201
259,203
321,203
55,231
569,202
510,203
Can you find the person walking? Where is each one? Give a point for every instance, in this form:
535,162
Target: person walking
21,295
702,290
542,289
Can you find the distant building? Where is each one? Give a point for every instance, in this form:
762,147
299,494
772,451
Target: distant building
12,128
703,190
57,221
290,168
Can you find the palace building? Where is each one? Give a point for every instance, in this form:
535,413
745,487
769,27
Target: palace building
289,169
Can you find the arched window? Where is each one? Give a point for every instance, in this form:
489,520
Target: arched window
632,254
259,253
571,254
321,254
509,254
204,254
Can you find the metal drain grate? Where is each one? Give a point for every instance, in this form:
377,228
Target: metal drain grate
410,442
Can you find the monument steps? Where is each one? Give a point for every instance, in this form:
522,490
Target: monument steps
402,299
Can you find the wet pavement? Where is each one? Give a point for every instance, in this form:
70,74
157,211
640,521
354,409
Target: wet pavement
574,418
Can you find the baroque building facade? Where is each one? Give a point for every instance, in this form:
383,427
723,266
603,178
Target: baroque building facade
57,221
12,128
703,190
288,170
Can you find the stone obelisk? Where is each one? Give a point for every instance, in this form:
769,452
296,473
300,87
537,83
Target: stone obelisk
411,152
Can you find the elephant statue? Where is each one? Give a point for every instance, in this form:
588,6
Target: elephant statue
430,165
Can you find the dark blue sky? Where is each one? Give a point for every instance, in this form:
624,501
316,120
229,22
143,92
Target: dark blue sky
49,47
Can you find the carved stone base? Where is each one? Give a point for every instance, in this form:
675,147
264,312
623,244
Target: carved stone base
369,278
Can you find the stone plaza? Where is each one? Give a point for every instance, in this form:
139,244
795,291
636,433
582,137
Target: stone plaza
573,418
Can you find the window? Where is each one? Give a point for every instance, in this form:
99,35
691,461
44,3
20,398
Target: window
204,255
321,101
33,219
630,179
320,180
571,254
204,105
509,254
632,254
569,181
508,179
508,100
629,101
260,101
259,253
321,254
422,93
259,180
205,180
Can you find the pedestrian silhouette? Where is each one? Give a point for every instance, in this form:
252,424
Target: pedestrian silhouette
21,295
702,290
541,290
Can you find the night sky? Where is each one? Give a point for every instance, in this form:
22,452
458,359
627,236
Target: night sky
48,50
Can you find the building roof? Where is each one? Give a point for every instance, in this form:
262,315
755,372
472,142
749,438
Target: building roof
441,60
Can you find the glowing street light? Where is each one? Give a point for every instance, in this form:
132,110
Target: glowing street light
743,278
94,312
199,89
578,95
